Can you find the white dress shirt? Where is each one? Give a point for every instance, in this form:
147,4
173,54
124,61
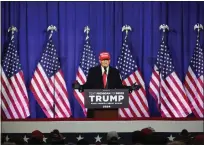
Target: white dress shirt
107,69
102,68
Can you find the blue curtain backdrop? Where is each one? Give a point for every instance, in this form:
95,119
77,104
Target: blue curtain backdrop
105,20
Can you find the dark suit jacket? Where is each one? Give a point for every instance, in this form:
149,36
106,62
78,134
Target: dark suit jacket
95,81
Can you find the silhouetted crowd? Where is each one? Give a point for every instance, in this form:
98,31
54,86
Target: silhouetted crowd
146,136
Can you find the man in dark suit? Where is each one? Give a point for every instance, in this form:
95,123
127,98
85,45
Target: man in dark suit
103,76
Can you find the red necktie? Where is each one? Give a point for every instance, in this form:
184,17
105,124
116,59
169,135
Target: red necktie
104,79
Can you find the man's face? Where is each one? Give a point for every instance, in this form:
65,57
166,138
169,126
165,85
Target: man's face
105,63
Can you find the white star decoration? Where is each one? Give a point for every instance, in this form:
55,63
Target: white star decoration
7,138
98,138
44,139
25,138
79,138
171,138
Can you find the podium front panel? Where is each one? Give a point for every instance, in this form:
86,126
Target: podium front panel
106,114
106,98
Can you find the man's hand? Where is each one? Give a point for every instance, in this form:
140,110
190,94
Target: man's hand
76,85
134,87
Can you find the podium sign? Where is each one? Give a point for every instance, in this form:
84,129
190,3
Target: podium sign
103,98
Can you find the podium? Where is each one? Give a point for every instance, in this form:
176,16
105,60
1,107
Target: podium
104,103
106,114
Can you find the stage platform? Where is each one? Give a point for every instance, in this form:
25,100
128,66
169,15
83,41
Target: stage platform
102,125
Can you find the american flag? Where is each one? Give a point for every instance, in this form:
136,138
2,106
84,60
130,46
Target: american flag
88,60
194,83
166,88
48,85
138,105
15,102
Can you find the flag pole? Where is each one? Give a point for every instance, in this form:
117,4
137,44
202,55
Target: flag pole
164,28
199,28
87,30
126,28
53,28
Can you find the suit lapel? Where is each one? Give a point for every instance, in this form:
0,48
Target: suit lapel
101,76
100,71
109,76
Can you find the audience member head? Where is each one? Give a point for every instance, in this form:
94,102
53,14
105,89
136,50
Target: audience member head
138,137
184,132
147,131
37,134
184,136
112,138
36,137
56,137
198,140
111,135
